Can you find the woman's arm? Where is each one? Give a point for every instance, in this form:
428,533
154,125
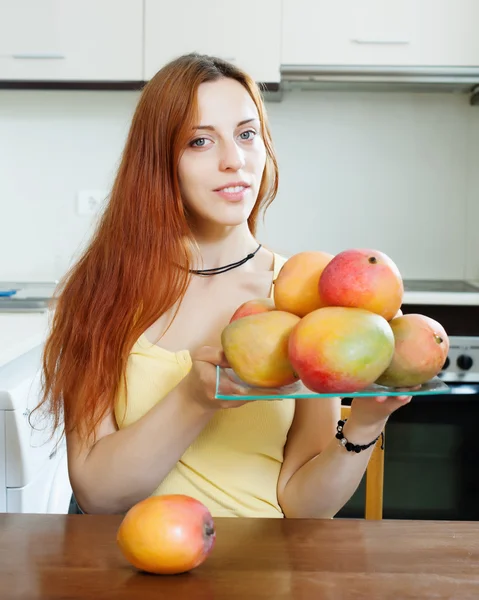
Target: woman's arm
318,475
125,466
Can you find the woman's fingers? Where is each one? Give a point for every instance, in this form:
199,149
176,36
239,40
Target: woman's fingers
212,355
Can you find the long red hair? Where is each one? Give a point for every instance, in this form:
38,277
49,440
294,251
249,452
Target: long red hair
136,265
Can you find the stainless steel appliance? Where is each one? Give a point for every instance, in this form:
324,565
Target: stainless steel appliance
432,444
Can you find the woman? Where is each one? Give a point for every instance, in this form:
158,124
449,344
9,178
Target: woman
130,364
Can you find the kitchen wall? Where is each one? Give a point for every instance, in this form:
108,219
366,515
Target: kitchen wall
397,172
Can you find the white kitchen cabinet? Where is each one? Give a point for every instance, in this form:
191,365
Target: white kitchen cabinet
380,32
246,33
56,40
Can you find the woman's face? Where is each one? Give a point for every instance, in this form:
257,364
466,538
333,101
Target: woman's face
221,168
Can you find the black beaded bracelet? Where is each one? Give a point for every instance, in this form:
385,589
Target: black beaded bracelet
350,447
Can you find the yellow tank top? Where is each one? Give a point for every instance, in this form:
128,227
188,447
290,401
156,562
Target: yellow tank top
234,464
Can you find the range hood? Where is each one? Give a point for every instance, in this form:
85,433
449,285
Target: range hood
382,78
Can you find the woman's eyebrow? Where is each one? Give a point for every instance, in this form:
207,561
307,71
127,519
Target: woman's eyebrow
211,128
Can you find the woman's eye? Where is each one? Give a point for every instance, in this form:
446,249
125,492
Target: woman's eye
247,135
199,142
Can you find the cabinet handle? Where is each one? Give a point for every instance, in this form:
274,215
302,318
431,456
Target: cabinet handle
397,42
43,56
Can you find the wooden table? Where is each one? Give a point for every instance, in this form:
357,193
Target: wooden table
76,556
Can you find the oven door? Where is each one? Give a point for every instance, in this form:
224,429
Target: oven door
431,459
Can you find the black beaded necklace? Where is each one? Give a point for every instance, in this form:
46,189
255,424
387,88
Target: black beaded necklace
217,270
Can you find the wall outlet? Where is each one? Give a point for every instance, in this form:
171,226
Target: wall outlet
89,202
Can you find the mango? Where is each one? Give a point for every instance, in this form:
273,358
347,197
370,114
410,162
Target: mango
256,348
296,286
167,534
340,349
421,348
363,278
253,307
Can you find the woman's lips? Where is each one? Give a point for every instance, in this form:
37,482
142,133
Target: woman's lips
233,193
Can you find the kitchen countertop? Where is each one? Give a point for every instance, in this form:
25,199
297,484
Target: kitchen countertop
20,332
455,292
76,556
442,298
417,291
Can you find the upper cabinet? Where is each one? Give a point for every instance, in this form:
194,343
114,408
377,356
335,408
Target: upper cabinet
121,42
55,40
380,32
246,33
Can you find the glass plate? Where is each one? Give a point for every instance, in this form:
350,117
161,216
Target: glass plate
298,390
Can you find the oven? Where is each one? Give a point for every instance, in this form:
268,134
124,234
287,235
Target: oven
432,444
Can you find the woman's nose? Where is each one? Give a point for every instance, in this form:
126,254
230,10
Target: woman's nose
232,157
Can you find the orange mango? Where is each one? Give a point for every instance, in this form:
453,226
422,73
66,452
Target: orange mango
362,278
256,348
340,349
421,348
296,286
253,307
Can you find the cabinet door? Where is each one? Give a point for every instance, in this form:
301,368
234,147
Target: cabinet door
246,33
94,40
381,32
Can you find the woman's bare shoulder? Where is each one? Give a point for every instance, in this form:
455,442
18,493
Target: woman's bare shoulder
279,260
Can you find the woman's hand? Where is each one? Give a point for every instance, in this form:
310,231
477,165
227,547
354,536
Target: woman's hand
369,414
376,408
200,383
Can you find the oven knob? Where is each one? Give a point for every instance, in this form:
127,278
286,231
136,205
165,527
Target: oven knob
464,362
446,364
